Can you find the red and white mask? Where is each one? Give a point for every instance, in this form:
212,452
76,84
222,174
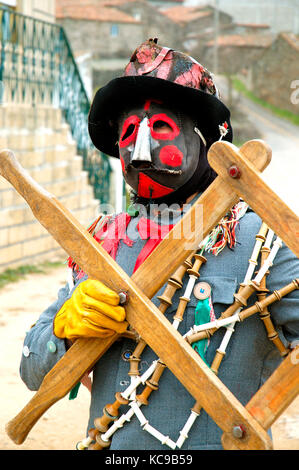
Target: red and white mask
159,149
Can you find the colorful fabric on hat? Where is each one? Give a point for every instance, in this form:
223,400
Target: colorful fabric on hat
164,74
168,64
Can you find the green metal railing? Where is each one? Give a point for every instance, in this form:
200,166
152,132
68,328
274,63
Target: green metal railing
37,67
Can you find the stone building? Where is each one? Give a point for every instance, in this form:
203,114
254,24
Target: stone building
275,76
196,25
102,30
104,33
280,15
153,23
250,28
236,52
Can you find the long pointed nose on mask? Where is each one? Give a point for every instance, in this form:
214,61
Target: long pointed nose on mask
142,150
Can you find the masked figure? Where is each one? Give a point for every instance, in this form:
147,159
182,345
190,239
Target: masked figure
160,119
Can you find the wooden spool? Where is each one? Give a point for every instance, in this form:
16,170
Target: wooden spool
217,361
180,272
181,308
102,444
166,297
199,260
151,384
93,435
274,297
110,413
243,294
174,283
265,314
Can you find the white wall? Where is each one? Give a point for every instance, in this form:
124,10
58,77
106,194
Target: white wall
40,9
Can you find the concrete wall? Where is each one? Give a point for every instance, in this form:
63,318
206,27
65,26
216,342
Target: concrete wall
43,145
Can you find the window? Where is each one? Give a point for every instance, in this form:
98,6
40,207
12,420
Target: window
114,30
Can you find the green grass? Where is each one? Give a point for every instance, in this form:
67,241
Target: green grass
14,275
283,113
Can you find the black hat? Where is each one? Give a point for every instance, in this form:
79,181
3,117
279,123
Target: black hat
156,72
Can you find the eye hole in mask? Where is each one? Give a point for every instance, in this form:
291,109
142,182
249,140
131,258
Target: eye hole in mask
163,127
129,131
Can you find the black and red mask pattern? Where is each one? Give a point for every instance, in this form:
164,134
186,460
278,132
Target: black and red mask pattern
159,150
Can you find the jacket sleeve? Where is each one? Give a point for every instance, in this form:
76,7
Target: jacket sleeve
285,313
41,348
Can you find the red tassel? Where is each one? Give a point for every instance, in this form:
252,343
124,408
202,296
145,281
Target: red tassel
154,233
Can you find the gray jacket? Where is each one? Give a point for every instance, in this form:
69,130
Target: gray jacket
250,357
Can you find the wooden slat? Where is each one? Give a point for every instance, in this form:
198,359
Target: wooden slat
251,187
274,396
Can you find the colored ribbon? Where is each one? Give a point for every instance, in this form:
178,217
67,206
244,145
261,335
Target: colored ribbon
153,233
204,313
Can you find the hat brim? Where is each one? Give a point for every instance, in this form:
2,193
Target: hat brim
120,93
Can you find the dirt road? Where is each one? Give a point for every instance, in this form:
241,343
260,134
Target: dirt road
64,424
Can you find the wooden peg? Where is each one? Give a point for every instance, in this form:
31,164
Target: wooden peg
181,308
263,289
101,443
110,413
180,272
197,407
151,384
244,293
217,361
265,314
93,435
275,296
135,358
272,333
166,297
199,260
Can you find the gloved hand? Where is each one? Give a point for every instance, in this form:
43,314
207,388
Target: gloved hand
92,311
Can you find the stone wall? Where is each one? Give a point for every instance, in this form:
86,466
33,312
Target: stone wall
232,60
43,145
273,75
154,24
97,38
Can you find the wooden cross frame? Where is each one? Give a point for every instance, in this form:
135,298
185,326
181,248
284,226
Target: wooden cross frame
206,388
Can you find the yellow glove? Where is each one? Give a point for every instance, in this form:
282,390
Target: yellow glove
92,311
